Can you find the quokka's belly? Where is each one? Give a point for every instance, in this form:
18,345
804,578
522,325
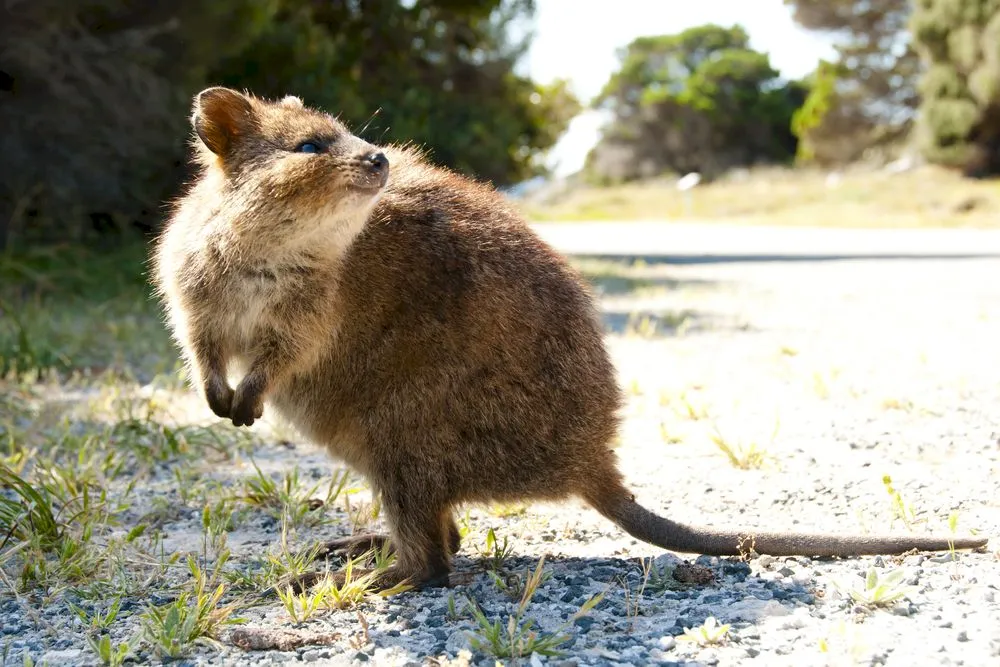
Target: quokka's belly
322,419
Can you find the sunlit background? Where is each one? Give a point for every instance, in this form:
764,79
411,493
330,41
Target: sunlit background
787,212
580,40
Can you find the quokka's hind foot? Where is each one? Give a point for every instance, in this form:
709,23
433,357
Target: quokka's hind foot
298,583
353,546
382,580
394,576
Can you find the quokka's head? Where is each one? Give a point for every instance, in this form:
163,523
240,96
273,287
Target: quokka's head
293,170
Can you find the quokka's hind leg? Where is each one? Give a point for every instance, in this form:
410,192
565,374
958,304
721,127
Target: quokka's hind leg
353,546
420,531
421,538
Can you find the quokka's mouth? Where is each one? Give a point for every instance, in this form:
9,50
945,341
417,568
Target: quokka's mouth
370,183
366,188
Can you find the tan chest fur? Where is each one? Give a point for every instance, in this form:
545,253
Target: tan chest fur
245,306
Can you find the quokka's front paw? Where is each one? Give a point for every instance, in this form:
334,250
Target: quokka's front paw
248,404
220,396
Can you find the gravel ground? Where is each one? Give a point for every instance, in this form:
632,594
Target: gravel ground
838,372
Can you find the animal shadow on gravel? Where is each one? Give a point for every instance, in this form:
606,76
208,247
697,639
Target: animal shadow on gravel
639,604
664,587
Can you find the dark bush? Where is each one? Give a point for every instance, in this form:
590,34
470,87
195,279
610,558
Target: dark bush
96,93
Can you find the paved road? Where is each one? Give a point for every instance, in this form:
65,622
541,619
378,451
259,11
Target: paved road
707,242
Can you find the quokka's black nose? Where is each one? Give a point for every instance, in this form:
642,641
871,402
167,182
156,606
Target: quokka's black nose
377,162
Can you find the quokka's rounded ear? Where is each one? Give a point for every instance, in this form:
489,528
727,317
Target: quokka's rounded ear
220,117
292,102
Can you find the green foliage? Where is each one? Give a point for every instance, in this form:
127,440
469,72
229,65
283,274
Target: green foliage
66,492
109,654
495,552
438,74
277,568
863,101
518,637
900,509
95,118
701,100
879,589
97,626
814,112
708,633
959,121
64,307
95,122
290,499
733,76
28,515
345,590
655,68
195,617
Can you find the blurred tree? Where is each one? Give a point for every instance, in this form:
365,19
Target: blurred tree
701,100
95,97
959,121
438,73
866,98
96,93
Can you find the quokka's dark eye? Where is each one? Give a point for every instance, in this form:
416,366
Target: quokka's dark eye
308,147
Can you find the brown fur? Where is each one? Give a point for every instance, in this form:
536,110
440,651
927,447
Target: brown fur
423,333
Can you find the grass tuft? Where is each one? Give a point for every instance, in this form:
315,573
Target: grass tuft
745,456
195,618
65,308
901,509
517,637
708,633
289,499
28,516
879,590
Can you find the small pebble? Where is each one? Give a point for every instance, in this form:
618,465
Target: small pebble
901,609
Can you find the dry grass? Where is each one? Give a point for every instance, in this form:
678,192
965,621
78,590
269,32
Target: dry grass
924,197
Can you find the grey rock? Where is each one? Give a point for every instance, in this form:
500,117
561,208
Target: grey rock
901,609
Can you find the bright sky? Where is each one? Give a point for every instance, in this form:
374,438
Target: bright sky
578,40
